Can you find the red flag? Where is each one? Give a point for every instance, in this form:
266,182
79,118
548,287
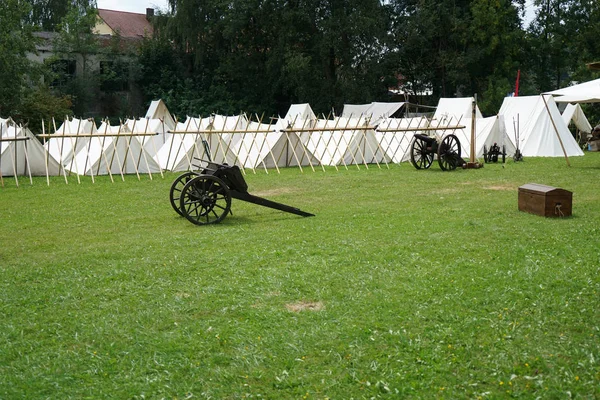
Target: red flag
517,84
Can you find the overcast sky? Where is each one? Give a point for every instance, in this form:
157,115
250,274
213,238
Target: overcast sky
136,6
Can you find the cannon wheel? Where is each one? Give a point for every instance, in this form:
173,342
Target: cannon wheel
177,187
485,154
419,156
449,153
205,200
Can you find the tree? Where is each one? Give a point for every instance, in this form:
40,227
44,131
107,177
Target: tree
16,40
265,54
550,36
48,14
458,48
76,41
494,53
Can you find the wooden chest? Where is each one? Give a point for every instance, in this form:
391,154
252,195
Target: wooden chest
545,200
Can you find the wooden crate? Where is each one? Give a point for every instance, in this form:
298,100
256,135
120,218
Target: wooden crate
545,200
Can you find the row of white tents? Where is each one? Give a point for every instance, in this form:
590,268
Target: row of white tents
363,135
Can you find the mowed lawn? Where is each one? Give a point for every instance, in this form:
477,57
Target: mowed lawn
406,284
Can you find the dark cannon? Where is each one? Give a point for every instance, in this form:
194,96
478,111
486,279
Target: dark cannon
494,153
424,148
205,197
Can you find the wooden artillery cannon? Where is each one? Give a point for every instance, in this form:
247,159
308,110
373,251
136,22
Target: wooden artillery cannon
424,148
493,153
205,197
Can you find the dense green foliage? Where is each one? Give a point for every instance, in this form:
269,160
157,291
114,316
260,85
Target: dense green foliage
263,55
406,284
16,40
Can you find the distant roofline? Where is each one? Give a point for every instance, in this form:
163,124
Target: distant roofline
124,12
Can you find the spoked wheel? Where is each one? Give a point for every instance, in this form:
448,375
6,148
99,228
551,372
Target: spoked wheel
449,153
419,156
205,200
485,154
176,189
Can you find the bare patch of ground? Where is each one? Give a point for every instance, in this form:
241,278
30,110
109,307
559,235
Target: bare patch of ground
500,187
305,306
447,190
273,192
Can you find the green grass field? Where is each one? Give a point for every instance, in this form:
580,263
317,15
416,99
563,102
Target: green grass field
406,284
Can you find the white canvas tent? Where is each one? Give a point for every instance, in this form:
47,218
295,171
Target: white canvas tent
115,151
69,139
343,141
158,110
182,147
374,112
488,131
148,126
587,92
222,138
21,154
454,110
574,114
395,135
285,145
541,130
253,148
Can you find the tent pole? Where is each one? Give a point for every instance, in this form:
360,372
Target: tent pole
171,148
262,144
367,123
62,146
156,150
293,148
89,146
14,158
27,163
387,141
473,116
116,153
254,143
319,159
327,148
74,153
305,152
338,142
269,148
195,150
143,153
60,163
139,156
130,153
106,124
236,152
556,130
45,153
352,154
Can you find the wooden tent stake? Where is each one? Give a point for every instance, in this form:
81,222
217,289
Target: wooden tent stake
73,159
171,149
103,153
556,130
128,152
45,154
27,164
60,163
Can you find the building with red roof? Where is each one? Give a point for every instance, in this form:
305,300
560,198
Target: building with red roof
125,24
